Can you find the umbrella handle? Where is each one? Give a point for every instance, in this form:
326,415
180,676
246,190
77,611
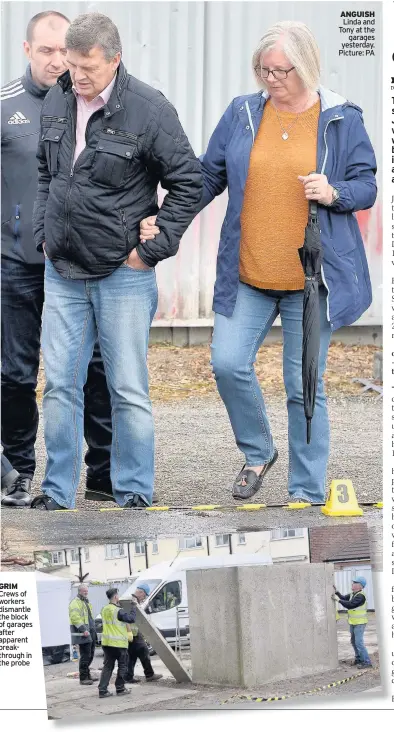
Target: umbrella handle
308,431
313,204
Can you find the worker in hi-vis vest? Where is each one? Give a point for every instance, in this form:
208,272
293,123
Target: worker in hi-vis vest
83,632
115,642
138,648
357,608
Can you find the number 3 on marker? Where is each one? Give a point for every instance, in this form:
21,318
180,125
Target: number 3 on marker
343,495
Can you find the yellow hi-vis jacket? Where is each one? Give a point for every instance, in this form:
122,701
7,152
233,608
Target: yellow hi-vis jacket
358,616
79,619
78,612
114,631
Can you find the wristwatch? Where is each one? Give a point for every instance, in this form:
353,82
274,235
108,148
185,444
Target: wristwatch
335,196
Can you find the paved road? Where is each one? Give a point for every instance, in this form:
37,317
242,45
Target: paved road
67,699
196,460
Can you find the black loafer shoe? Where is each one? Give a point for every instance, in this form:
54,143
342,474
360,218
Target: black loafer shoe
248,482
17,494
99,490
122,692
105,694
45,503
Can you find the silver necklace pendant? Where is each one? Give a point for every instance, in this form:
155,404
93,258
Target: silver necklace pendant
285,136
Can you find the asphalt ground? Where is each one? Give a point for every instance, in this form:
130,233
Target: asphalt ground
196,461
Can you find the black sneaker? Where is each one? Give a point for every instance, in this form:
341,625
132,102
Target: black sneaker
364,665
122,692
136,502
155,677
104,694
86,682
132,681
17,494
45,503
248,482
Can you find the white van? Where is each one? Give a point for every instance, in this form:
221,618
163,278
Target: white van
167,603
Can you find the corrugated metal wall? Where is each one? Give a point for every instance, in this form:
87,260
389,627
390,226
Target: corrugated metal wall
198,54
344,577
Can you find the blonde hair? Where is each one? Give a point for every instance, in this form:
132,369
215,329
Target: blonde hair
300,47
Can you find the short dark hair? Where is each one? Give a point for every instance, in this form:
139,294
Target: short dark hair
36,19
111,592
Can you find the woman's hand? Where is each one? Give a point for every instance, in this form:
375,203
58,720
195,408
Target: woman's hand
148,230
317,188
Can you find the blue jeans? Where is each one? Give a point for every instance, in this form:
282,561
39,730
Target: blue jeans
357,641
22,299
119,310
236,341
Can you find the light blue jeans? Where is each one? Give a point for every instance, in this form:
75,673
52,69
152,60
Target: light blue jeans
357,641
236,341
119,310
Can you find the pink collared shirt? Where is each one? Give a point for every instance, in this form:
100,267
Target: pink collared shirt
84,112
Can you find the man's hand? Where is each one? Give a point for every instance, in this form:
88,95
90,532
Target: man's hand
317,188
334,597
86,633
148,230
135,262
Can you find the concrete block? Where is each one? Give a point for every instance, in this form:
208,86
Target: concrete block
200,336
378,366
180,337
256,625
160,645
160,335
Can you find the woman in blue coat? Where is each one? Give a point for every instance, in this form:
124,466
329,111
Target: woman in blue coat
263,151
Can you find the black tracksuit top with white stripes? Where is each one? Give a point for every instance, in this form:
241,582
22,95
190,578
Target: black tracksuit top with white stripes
21,102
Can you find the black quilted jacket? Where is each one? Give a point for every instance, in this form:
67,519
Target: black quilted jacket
89,215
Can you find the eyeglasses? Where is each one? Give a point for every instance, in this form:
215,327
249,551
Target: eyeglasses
278,74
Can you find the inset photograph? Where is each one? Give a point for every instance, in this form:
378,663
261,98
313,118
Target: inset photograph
202,622
195,318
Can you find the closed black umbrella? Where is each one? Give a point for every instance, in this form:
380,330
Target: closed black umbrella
311,257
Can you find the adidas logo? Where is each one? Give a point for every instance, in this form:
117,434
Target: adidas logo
18,119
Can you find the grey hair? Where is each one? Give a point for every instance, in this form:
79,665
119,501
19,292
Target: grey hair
300,47
82,586
94,29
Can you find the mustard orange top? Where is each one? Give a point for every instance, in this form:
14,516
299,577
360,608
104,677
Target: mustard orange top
275,210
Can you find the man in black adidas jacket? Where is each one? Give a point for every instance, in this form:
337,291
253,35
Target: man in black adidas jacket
23,275
107,140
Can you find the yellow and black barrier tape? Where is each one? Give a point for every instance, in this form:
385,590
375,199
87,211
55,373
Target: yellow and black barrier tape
233,507
310,692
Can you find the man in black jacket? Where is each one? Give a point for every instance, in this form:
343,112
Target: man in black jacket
138,647
107,140
22,273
